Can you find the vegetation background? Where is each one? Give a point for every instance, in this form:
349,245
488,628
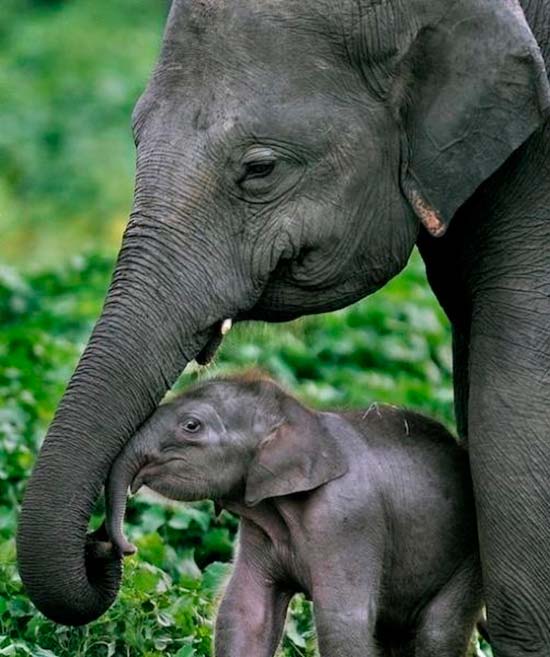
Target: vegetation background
70,73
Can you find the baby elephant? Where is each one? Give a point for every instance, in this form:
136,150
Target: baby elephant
370,513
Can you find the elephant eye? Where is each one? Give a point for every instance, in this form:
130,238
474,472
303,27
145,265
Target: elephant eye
258,170
191,425
257,163
267,173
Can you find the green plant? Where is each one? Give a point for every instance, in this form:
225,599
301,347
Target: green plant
71,73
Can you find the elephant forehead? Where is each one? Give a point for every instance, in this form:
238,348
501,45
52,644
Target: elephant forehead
203,11
234,402
202,34
228,100
226,65
220,394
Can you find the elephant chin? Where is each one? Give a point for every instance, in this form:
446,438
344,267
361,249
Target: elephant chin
207,353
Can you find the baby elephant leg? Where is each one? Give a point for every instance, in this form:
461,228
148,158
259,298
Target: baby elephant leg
252,612
447,623
343,632
345,615
251,617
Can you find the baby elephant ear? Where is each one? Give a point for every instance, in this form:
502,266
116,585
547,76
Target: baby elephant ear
298,456
475,88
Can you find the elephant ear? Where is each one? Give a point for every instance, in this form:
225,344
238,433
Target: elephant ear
298,456
471,88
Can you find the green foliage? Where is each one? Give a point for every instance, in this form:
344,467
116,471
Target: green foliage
70,73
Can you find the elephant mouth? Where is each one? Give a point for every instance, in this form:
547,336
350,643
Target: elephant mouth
137,483
219,330
154,472
140,479
148,472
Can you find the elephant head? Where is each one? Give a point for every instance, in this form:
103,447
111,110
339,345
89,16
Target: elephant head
288,152
237,441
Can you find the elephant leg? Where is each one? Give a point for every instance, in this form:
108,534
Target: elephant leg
345,605
252,612
447,623
492,272
251,616
343,632
509,442
508,407
506,257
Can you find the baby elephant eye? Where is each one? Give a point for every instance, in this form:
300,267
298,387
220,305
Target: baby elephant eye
191,425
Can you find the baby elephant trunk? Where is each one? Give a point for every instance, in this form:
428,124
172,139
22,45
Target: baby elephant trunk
123,472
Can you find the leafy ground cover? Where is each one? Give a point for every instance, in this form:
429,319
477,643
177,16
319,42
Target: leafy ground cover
393,347
70,73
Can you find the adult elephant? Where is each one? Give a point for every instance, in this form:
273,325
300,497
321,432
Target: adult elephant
290,154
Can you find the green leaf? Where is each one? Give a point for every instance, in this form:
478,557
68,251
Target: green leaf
42,652
187,566
218,540
145,578
153,518
7,552
214,577
151,548
294,635
164,619
20,606
183,517
16,648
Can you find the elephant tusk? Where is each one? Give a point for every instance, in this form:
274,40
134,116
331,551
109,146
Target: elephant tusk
226,326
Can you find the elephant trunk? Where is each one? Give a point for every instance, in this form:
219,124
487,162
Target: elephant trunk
123,472
156,318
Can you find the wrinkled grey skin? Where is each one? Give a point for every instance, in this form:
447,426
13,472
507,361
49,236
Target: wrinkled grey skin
370,513
289,155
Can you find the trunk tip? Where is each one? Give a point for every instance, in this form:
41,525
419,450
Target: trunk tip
127,549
